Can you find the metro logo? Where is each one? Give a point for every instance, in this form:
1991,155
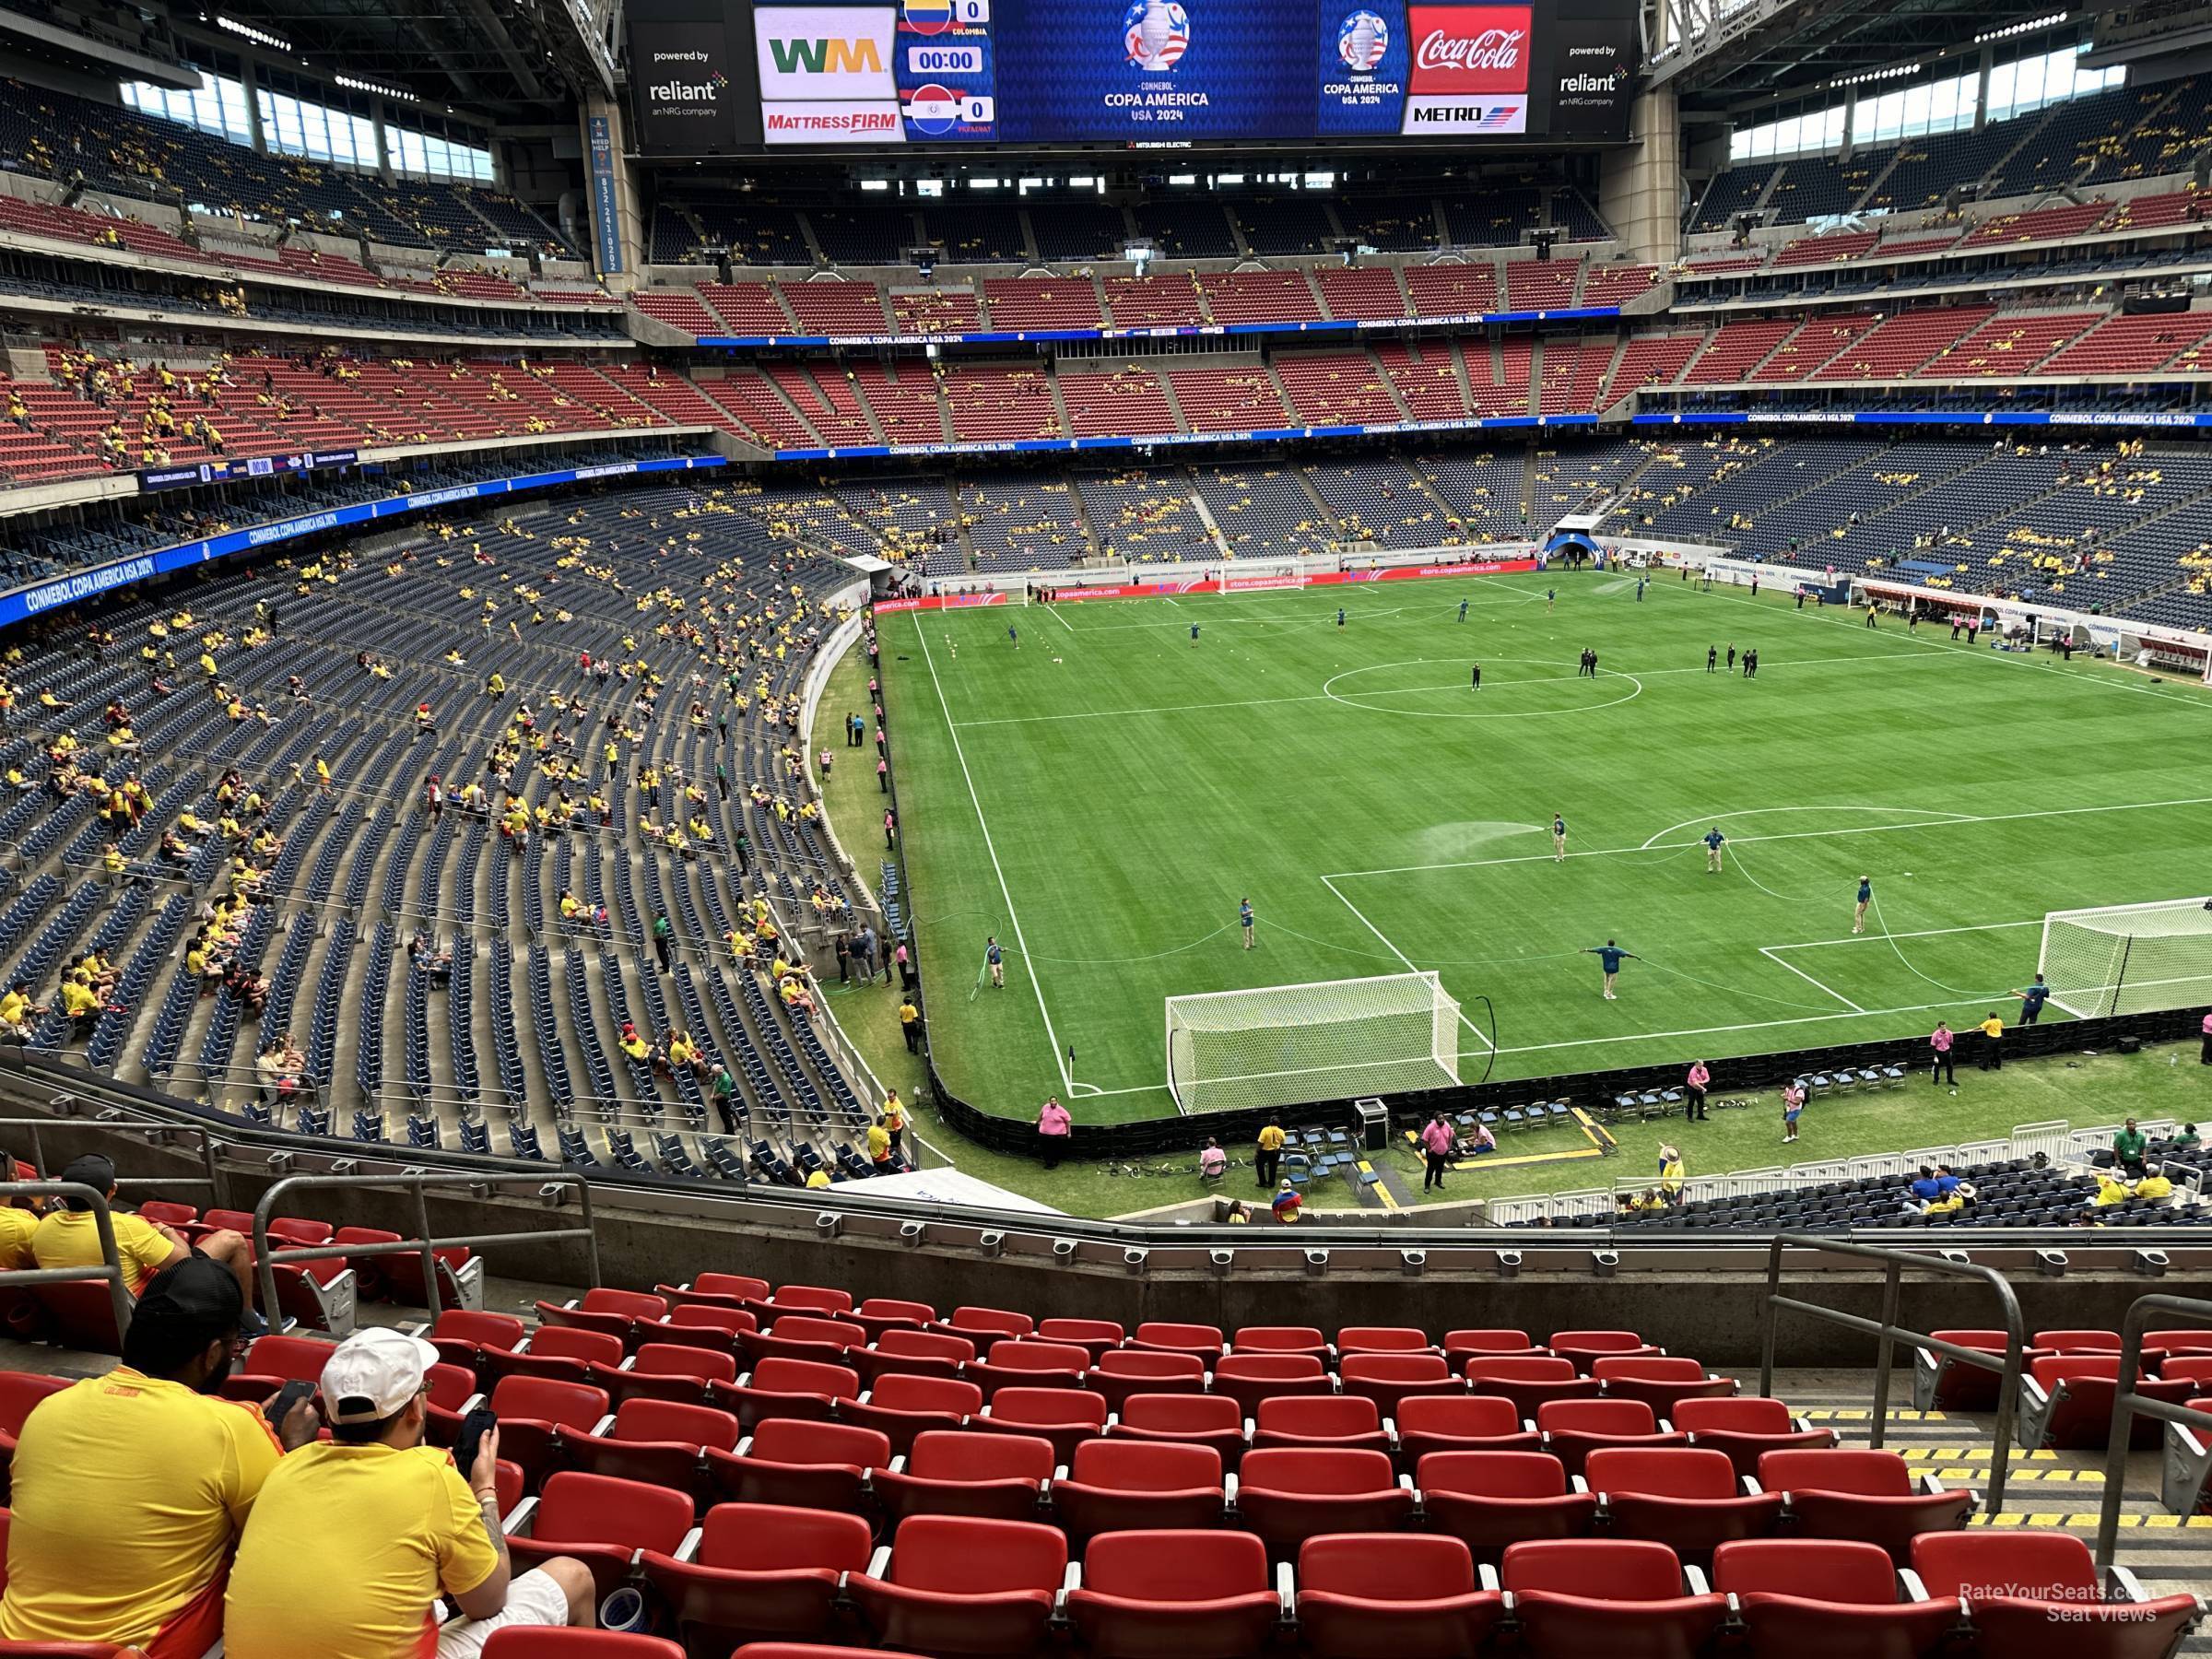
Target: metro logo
1468,48
826,58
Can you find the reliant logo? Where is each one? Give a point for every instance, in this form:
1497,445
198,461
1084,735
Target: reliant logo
831,56
1492,49
676,91
1589,83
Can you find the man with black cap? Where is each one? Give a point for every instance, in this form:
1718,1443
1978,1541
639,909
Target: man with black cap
355,1539
69,1237
130,1490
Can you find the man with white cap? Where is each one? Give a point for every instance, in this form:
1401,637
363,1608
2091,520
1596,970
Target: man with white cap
354,1540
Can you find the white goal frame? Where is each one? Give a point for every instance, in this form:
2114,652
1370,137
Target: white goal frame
2130,981
1282,1087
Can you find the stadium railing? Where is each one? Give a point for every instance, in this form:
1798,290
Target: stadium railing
2129,1403
110,1270
1887,1333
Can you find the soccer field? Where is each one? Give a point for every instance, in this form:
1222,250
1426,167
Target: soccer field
1103,797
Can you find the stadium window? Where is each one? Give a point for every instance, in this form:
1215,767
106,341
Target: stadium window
1321,181
218,105
929,187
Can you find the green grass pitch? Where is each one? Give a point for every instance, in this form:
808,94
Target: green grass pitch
1101,799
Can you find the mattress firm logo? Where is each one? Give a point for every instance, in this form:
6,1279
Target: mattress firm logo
691,81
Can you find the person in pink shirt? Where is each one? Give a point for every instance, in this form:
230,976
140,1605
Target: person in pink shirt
1698,1076
1052,1125
1439,1141
2204,1053
1939,1044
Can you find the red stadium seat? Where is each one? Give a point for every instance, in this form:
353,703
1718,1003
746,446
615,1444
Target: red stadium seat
2067,1401
1281,1339
900,1406
1688,1499
617,1313
178,1214
911,1353
1805,1598
1388,1378
1862,1495
786,1388
561,1353
759,1572
807,1298
1120,1372
1585,1349
1066,1417
1659,1382
1382,1339
1320,1420
791,1650
805,1336
1489,1500
880,1313
716,1290
466,1336
600,1522
1943,1384
708,1333
996,1477
1130,1486
2036,1596
536,1413
1095,1337
2076,1342
800,1463
1411,1597
1190,1419
1250,1378
669,1371
20,1392
1605,1598
1574,1429
539,1642
1289,1495
272,1363
1204,1341
1174,1595
1463,1345
713,1317
955,1585
658,1441
1429,1423
1529,1381
1747,1428
984,1326
1017,1363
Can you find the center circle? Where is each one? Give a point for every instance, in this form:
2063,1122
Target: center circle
1328,690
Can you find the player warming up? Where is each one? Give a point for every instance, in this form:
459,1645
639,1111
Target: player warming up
1013,634
1714,842
1340,616
1463,610
1477,676
1244,920
995,959
1609,956
1858,916
1559,839
1194,636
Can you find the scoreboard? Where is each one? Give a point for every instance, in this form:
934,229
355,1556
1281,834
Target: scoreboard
715,77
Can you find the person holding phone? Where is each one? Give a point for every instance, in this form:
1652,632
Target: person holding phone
355,1541
129,1490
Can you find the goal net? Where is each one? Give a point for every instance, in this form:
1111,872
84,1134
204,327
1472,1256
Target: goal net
1286,1045
2129,958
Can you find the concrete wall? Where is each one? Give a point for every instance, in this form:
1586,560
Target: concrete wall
1640,188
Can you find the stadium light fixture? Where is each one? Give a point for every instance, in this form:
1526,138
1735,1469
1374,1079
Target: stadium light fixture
246,32
2048,20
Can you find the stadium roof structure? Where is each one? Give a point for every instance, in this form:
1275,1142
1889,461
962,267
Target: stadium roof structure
517,59
1717,53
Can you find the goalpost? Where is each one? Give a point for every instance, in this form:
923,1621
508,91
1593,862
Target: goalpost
2129,958
1286,1045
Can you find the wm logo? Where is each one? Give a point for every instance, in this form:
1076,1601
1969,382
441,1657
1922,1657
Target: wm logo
826,58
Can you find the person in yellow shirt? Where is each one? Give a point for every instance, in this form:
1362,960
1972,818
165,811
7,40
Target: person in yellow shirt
1993,1042
354,1540
69,1237
2111,1191
817,1178
80,1002
17,1009
1268,1154
130,1490
15,1225
879,1146
2155,1184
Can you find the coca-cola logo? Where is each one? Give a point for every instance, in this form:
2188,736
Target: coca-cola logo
1492,49
1459,50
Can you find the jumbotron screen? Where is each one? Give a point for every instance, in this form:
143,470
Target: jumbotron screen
711,77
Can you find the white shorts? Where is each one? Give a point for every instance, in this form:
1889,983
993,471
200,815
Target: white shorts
533,1598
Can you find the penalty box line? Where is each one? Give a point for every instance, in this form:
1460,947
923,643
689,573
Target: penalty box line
1481,1035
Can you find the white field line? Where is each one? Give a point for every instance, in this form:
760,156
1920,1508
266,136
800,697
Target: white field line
1809,979
1402,957
1013,918
1054,612
1925,933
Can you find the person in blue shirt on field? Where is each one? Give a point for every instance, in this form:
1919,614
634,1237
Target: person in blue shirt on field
1559,839
1014,636
1714,841
1244,920
1551,598
1463,610
1609,956
1858,916
1340,616
2032,1000
1194,636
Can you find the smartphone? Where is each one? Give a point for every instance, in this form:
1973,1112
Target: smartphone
280,1404
480,1422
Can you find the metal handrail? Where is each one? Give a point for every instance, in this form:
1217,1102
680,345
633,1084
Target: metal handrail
419,1182
155,1133
1888,1332
2127,1405
120,1298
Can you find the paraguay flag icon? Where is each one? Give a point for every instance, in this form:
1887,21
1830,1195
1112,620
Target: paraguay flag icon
927,17
932,109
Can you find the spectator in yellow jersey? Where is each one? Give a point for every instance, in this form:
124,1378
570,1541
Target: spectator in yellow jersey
130,1490
15,1225
69,1237
354,1542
